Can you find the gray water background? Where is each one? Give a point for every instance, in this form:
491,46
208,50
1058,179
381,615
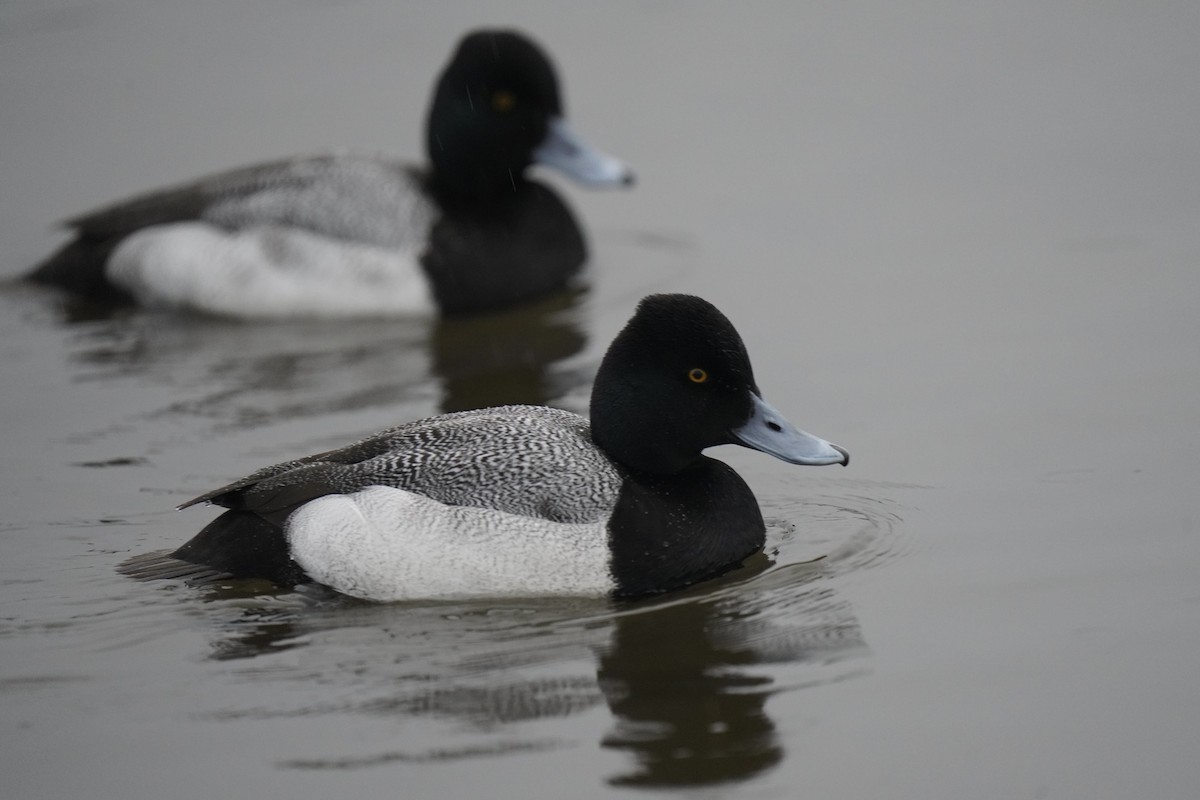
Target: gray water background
961,240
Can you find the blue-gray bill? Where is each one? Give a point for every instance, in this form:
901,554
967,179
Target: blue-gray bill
769,431
567,151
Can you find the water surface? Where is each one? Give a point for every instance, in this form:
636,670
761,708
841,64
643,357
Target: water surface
961,242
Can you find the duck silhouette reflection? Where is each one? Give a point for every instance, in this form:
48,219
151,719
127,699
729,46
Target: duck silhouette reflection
237,376
682,707
686,680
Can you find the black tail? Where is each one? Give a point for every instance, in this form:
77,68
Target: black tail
79,268
237,544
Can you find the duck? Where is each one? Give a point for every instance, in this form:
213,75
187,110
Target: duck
342,234
520,500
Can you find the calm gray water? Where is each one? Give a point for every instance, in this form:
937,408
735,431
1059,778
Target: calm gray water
961,240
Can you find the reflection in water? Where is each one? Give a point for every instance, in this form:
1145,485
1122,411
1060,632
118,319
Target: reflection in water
688,681
684,711
244,375
686,678
503,358
238,376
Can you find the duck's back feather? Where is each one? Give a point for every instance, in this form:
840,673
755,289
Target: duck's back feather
344,195
528,460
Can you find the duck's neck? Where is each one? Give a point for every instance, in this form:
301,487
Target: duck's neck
670,531
474,186
643,454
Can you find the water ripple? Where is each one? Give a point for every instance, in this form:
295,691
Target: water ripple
851,532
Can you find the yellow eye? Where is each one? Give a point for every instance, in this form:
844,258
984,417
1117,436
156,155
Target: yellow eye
503,100
697,375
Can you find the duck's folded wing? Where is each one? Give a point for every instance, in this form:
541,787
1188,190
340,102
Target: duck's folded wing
343,195
532,461
270,480
187,201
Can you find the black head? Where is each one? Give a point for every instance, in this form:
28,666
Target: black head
491,108
676,380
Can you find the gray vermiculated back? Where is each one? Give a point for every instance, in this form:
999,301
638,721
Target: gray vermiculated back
527,460
348,196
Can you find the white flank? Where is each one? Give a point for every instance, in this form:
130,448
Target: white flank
267,272
388,544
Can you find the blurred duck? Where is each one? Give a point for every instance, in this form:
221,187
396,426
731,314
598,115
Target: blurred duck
343,235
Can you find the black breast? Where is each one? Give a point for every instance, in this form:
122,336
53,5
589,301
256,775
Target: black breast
667,532
505,252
